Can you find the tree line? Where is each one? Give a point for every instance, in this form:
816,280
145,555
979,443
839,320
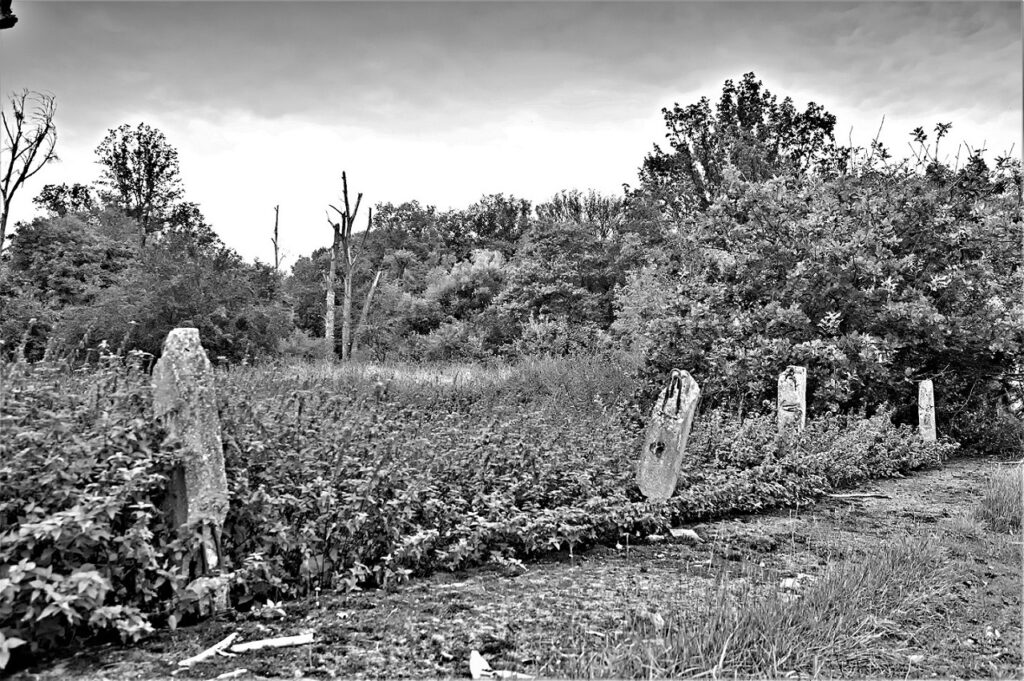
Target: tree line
751,240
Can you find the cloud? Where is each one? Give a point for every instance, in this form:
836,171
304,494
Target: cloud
268,102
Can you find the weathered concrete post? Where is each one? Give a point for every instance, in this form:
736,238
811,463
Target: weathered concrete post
665,441
184,398
926,410
793,398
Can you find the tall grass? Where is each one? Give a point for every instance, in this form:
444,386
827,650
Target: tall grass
1003,503
855,619
588,385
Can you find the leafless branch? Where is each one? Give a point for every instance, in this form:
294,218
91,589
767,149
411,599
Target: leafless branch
29,143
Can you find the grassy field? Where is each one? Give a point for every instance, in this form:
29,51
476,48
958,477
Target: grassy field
369,482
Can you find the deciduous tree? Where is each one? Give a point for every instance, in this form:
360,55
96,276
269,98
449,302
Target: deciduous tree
749,129
343,249
140,174
61,199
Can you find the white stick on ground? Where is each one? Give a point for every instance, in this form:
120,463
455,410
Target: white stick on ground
209,652
858,495
282,642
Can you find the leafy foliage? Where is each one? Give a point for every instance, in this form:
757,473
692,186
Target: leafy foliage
340,480
140,174
83,548
874,280
61,199
749,130
83,278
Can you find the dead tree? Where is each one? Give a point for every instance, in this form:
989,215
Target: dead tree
343,249
361,328
342,233
29,140
277,257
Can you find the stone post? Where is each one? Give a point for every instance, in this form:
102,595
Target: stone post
667,433
184,399
793,398
926,411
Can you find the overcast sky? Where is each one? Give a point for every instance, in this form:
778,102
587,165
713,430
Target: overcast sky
267,102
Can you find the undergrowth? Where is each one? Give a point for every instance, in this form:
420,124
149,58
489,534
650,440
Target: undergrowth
345,479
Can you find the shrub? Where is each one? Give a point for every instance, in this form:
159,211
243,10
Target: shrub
451,340
742,467
453,477
299,345
559,338
989,432
83,548
847,275
339,479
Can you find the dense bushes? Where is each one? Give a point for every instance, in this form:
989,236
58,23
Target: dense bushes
83,548
782,247
753,242
872,281
343,478
82,278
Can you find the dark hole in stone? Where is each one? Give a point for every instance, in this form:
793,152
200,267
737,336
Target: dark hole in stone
657,448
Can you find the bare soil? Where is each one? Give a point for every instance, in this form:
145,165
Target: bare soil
427,627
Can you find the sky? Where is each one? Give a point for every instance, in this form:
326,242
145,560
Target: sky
442,102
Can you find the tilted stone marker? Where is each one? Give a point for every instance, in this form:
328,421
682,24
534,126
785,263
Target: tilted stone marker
665,441
793,398
184,399
926,410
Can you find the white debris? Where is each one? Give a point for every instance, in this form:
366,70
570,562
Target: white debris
689,534
478,666
233,675
480,669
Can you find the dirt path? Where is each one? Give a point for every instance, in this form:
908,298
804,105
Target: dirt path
520,622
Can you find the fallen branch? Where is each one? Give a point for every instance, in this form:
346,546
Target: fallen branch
859,495
210,652
505,674
282,642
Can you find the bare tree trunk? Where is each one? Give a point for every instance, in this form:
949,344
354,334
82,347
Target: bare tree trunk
346,317
349,255
332,282
364,315
277,258
3,228
343,236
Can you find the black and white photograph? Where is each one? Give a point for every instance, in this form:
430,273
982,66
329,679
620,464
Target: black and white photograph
511,339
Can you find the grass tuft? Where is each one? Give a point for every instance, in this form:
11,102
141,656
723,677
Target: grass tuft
1003,504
